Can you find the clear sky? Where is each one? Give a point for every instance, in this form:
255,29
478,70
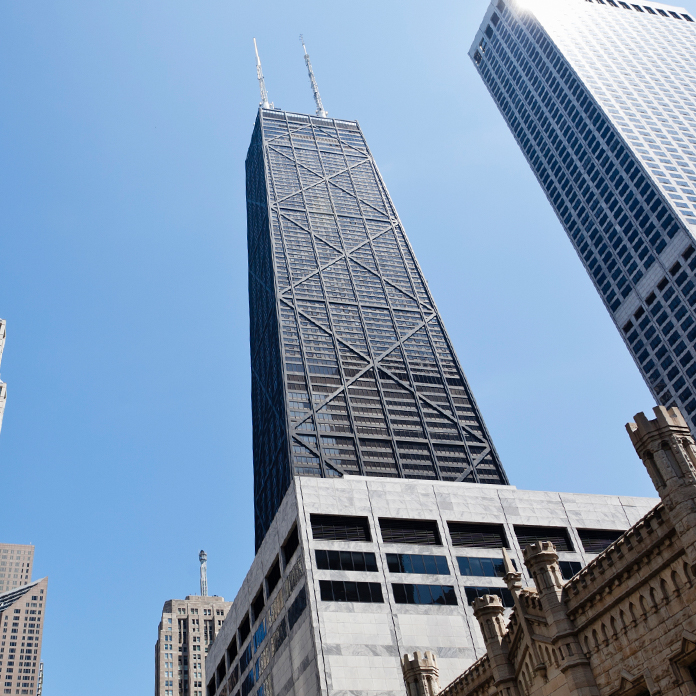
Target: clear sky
126,446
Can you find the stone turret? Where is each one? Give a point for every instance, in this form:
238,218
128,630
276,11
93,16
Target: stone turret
542,561
488,611
667,449
421,674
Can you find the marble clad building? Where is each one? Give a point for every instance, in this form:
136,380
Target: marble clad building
625,625
354,572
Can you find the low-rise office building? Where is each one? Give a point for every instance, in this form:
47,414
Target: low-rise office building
356,571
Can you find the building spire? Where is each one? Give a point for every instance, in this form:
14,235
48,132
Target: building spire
203,558
262,84
315,89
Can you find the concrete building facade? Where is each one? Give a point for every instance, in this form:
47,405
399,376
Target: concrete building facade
16,562
22,614
186,631
624,625
354,572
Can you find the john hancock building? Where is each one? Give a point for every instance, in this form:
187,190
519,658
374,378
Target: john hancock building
352,369
601,98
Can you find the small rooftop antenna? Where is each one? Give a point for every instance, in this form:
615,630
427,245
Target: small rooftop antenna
203,558
315,89
262,85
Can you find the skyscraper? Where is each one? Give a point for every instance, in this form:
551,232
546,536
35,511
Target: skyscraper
352,369
16,562
22,614
186,631
601,98
3,386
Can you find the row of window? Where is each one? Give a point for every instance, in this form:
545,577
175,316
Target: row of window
424,564
264,643
645,8
427,533
405,593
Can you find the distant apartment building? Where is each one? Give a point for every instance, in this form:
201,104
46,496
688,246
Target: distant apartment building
186,631
16,561
3,386
22,611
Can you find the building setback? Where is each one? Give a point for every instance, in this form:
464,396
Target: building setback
600,97
352,370
16,562
22,612
186,631
356,571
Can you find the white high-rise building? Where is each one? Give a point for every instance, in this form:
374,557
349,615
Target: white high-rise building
601,98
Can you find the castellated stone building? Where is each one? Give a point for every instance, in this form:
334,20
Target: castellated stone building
625,625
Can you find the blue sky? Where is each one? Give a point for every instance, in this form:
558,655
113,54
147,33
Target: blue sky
126,446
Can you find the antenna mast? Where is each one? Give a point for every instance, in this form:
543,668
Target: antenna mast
315,89
203,558
262,84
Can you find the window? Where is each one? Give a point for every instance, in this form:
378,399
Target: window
244,629
569,568
414,563
296,608
424,594
596,540
258,604
482,536
340,528
482,567
346,560
290,545
340,591
558,536
399,531
505,595
273,577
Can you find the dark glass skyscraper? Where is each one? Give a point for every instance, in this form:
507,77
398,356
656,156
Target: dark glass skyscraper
600,97
352,370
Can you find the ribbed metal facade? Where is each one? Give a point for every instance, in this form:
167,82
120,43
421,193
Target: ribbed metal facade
600,97
352,370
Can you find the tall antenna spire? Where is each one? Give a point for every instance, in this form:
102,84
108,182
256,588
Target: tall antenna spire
262,84
315,89
203,558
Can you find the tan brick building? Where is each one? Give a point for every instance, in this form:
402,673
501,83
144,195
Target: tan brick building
22,613
16,561
625,625
186,631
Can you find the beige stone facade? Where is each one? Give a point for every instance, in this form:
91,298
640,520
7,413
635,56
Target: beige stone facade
186,631
22,612
625,625
16,561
